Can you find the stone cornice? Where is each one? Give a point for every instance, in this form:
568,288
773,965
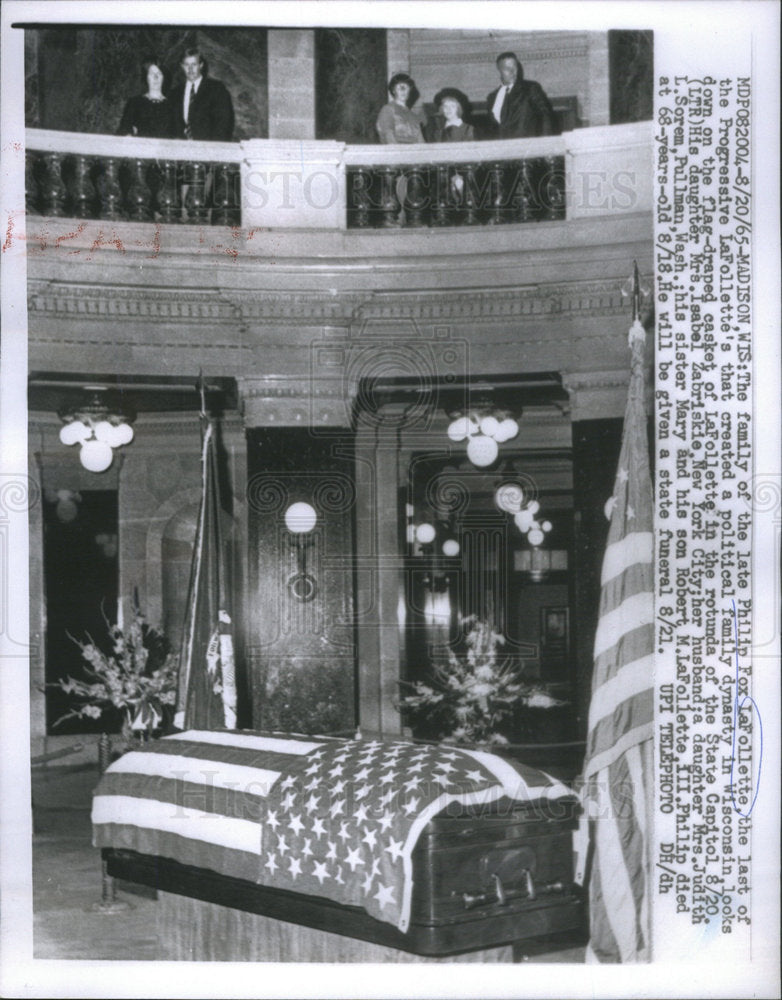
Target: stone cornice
189,305
541,53
285,401
229,309
602,297
596,395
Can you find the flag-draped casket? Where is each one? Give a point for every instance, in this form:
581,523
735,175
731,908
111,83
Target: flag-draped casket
431,849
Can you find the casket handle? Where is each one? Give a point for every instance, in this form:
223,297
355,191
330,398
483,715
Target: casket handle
502,896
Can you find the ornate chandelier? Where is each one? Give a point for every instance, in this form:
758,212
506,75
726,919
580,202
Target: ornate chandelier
97,428
511,498
484,429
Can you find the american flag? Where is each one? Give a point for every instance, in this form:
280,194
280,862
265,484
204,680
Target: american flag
619,765
331,818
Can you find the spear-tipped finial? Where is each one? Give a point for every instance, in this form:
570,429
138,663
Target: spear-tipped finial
637,331
636,293
202,391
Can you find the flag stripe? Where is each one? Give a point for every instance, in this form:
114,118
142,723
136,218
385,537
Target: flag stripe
638,609
184,768
620,556
248,741
616,852
633,679
631,716
241,803
636,579
630,839
603,946
640,762
226,831
623,743
157,843
518,780
210,754
634,645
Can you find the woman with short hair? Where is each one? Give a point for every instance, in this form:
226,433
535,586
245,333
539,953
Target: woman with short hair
397,122
149,114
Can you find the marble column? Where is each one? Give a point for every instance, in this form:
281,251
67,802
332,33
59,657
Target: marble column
291,83
397,51
598,111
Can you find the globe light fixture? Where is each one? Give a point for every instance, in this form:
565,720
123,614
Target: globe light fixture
484,429
98,428
425,533
482,451
510,497
300,519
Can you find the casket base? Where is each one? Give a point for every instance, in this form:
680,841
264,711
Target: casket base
196,931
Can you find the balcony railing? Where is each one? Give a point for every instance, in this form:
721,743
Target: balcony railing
118,178
328,185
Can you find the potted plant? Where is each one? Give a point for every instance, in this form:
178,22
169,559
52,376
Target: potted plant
138,678
471,695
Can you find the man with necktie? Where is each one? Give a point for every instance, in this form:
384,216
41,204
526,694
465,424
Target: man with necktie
203,106
519,108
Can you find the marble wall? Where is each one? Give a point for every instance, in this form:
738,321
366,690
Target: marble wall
631,61
567,64
78,79
350,83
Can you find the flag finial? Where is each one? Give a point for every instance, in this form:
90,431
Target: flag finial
637,331
202,391
636,293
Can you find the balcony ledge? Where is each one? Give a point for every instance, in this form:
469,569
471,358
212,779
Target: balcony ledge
288,185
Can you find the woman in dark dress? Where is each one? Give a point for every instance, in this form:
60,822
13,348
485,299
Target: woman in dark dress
150,114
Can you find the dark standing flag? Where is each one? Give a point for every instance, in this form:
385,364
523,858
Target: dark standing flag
619,766
207,687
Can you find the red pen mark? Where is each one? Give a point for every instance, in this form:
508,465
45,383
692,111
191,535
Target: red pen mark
155,243
9,234
71,236
100,242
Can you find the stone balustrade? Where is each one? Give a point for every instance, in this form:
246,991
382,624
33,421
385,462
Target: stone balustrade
121,177
287,184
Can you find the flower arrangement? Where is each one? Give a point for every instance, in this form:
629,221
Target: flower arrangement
138,677
470,696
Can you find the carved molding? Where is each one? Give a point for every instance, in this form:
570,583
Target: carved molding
205,305
279,401
554,52
220,309
253,305
595,395
601,298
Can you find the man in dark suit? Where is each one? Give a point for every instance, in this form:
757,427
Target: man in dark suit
519,108
203,106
